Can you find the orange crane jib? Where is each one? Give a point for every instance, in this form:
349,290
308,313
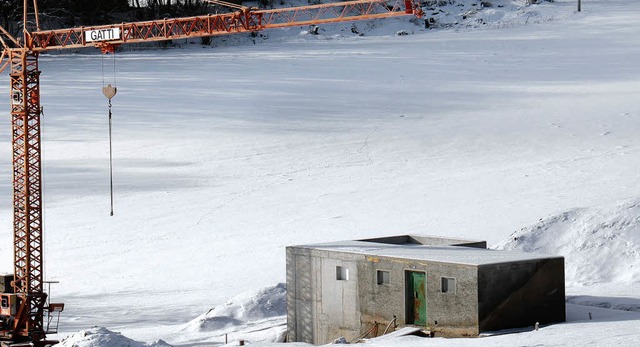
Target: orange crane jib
24,303
243,20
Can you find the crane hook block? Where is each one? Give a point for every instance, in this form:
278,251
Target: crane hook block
109,91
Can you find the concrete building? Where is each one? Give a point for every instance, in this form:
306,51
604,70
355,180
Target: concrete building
449,287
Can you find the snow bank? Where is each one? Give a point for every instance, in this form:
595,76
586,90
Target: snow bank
599,244
254,306
473,14
102,337
252,316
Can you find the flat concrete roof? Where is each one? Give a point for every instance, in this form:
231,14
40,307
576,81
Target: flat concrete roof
441,254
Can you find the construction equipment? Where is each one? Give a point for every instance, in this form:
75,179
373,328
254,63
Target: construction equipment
24,303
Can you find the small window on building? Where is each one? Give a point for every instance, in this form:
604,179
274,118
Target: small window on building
448,285
383,277
342,273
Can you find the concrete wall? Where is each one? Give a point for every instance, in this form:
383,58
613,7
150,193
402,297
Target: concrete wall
321,308
520,294
452,314
381,302
302,299
338,315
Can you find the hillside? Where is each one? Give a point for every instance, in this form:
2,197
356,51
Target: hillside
601,245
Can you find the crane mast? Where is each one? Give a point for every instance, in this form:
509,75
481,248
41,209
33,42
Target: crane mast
24,302
22,309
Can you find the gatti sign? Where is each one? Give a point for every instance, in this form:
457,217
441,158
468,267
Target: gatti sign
102,35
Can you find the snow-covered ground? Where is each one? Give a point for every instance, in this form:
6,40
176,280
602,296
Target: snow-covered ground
525,121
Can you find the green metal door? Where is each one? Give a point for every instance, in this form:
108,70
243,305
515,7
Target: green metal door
416,298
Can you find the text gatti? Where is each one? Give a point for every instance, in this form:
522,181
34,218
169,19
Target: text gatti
102,35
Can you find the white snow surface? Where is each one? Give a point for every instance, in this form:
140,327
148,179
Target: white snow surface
224,155
259,314
263,304
600,244
98,336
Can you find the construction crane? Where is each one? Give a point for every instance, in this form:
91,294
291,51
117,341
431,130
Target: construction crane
24,302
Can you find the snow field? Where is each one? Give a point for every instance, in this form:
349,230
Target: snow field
225,155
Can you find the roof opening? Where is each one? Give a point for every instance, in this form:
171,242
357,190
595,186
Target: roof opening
427,241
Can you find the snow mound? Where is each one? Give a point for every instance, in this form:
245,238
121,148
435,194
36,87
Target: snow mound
600,245
254,306
103,337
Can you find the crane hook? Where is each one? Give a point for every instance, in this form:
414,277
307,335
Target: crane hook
109,92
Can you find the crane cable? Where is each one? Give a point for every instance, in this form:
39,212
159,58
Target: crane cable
43,187
109,92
